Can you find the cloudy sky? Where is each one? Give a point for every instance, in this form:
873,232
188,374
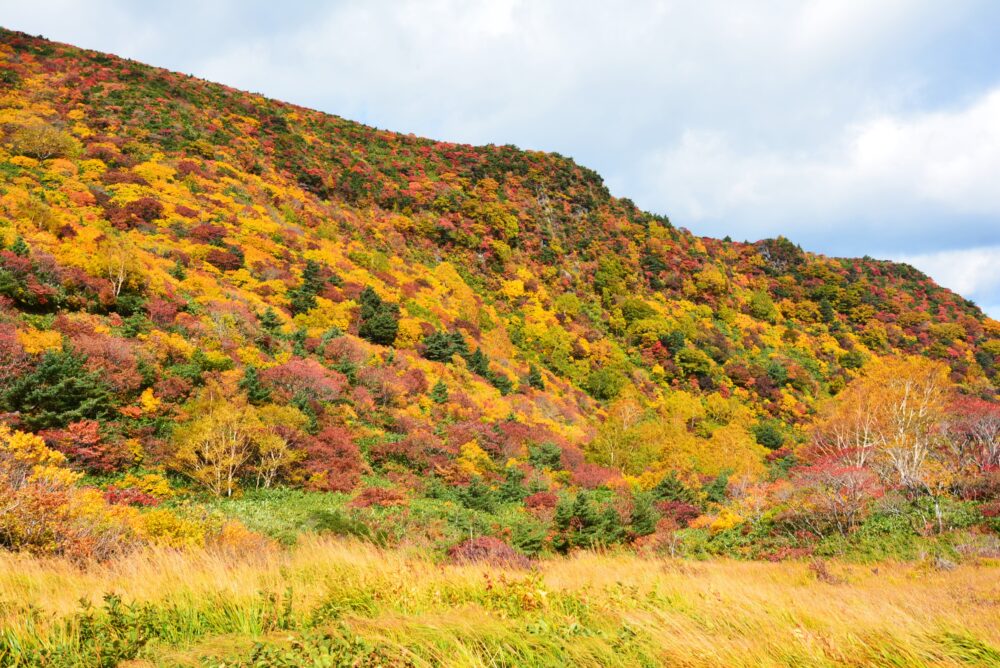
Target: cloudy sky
853,127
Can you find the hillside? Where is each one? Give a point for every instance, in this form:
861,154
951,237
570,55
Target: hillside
400,320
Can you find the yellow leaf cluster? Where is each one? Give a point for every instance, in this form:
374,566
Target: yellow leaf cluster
36,341
472,459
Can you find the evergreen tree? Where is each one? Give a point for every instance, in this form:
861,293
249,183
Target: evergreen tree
382,326
439,347
19,247
477,495
58,391
673,341
827,312
611,530
768,434
588,520
370,302
254,389
562,521
302,402
439,393
270,321
512,489
301,301
716,490
178,271
478,362
312,282
299,342
458,344
379,319
500,381
670,488
545,455
303,298
642,521
535,379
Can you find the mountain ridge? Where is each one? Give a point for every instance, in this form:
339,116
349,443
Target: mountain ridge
216,235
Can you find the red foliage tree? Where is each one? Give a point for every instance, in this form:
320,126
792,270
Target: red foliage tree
307,377
333,461
82,444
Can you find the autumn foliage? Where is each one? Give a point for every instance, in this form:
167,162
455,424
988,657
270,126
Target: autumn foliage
247,295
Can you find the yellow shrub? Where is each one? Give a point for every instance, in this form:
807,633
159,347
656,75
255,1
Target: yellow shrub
472,459
512,289
153,484
24,161
162,527
409,333
36,341
149,402
327,314
726,519
27,449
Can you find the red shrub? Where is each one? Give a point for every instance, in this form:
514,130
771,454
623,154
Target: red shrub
678,511
129,496
592,476
990,510
113,358
333,460
142,210
486,549
378,496
161,311
382,383
172,388
14,362
114,176
541,500
187,167
224,260
306,376
420,450
414,382
107,154
146,209
81,442
786,553
207,233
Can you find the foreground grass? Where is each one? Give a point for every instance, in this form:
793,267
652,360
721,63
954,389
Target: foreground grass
330,602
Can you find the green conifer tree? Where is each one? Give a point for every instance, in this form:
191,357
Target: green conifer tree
250,383
535,379
439,393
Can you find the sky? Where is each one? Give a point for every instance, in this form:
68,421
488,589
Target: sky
852,127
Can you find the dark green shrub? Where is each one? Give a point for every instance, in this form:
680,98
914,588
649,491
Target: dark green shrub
545,456
58,391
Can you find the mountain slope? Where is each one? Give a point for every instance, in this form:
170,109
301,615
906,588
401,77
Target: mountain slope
398,305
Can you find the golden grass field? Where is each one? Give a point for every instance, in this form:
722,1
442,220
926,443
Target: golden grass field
329,602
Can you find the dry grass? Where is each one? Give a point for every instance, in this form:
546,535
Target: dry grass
590,609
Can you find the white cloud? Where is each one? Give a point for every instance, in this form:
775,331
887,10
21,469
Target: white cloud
868,180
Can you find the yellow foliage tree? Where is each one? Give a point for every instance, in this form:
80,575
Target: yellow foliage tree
227,440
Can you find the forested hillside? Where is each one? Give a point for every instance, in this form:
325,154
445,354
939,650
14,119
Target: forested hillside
210,300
